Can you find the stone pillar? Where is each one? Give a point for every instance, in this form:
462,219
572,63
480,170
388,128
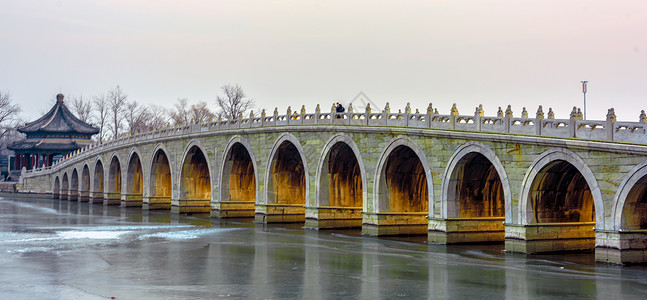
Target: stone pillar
508,116
572,130
538,117
367,113
452,114
609,127
407,114
428,118
477,117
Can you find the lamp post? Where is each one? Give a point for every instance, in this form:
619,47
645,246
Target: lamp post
584,92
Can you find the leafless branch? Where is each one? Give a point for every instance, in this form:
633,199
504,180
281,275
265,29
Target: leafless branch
234,102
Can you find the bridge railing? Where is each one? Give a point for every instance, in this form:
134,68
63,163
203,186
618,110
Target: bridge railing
504,122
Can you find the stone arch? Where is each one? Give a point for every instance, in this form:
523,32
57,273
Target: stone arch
388,184
74,185
287,164
630,201
341,151
84,190
56,187
195,180
161,174
98,182
114,174
562,161
238,176
134,174
475,160
65,185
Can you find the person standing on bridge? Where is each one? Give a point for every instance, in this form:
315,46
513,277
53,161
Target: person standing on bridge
339,109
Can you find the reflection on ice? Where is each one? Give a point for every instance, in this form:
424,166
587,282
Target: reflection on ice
31,206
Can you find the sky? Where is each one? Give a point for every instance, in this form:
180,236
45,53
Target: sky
291,53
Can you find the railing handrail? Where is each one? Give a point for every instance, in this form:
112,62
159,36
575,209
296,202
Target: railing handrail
573,127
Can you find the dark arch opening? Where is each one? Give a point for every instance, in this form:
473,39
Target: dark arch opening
64,188
84,192
559,193
287,176
135,177
477,186
114,179
634,212
341,179
238,177
160,181
404,181
74,186
57,188
196,181
98,182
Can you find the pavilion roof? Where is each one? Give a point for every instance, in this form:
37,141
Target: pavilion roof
59,119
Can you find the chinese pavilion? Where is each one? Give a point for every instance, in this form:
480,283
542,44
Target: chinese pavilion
58,132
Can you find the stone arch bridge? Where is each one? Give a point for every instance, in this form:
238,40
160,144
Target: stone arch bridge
539,184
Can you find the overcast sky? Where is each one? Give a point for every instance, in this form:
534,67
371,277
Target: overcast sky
523,53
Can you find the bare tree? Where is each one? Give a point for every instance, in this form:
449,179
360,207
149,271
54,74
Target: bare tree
180,115
82,109
200,112
158,116
234,102
100,116
9,121
117,101
136,116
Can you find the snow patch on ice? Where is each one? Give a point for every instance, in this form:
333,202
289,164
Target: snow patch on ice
183,234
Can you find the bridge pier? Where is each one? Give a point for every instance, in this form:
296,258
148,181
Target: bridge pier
63,195
184,206
232,209
132,200
621,247
96,197
279,213
466,230
550,237
394,223
112,199
73,196
157,203
84,196
327,217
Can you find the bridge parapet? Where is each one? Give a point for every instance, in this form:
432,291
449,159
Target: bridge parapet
573,127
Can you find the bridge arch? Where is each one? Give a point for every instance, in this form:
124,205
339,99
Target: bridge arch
238,173
402,173
56,187
74,185
630,201
335,188
114,176
286,174
98,181
195,179
85,183
65,184
555,167
161,175
134,177
475,177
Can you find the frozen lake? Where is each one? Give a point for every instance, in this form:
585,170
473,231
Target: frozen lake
51,249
